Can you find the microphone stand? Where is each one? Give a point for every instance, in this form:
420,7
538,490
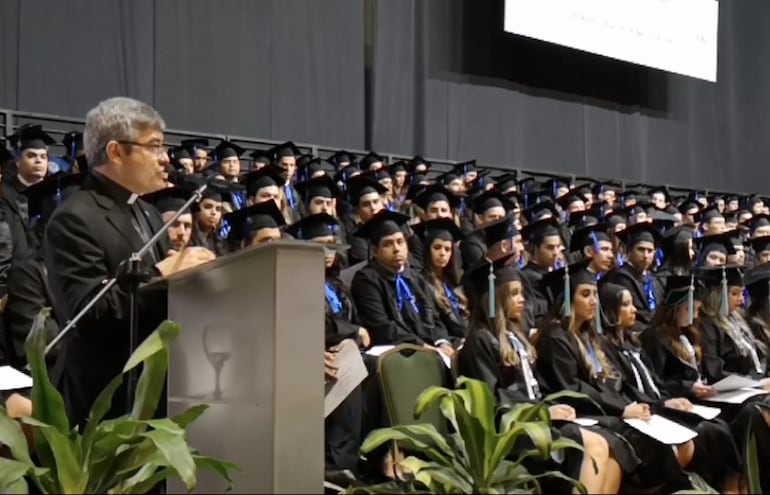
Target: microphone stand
135,276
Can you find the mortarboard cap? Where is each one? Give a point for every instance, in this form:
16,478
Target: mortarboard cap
760,244
463,168
722,243
314,226
417,163
261,156
318,187
227,149
45,196
283,150
30,137
714,276
580,219
707,214
484,277
315,167
168,199
758,220
370,159
506,183
382,224
757,282
436,192
563,283
361,185
399,166
179,153
73,143
640,232
342,157
588,236
246,221
439,228
194,144
500,230
490,199
269,175
572,196
535,232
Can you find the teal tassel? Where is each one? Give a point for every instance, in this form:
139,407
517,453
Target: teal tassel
691,301
567,294
598,319
724,308
491,282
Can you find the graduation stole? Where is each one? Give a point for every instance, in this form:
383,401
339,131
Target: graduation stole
450,294
533,388
404,294
649,292
290,195
335,304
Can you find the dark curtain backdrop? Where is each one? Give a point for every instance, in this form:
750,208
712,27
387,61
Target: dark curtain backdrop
449,83
443,80
275,69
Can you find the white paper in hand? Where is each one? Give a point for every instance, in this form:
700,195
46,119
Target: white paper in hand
736,396
586,421
734,382
13,379
351,371
663,430
705,412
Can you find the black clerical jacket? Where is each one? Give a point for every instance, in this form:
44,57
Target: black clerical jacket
374,294
86,240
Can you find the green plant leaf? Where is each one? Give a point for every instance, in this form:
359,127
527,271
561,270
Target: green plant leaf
176,454
392,487
71,476
222,468
153,353
437,477
476,439
100,407
479,402
11,474
412,437
189,416
428,397
48,402
524,413
12,436
554,474
538,433
160,339
752,466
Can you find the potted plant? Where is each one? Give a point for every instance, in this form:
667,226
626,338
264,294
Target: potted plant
128,454
477,456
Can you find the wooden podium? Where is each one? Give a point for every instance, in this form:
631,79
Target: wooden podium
252,348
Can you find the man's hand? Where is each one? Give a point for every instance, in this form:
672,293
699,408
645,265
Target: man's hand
330,369
366,341
190,257
703,391
637,411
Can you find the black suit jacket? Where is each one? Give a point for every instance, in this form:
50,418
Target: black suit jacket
85,241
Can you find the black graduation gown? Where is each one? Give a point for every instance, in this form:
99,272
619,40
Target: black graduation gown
628,277
416,253
374,294
14,244
343,426
473,249
86,240
480,359
14,199
28,294
210,241
721,355
561,365
456,325
342,325
535,299
759,330
716,454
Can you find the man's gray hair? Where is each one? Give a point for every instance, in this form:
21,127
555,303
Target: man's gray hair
117,119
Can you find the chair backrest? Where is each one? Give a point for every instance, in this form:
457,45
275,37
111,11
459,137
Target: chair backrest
455,370
405,372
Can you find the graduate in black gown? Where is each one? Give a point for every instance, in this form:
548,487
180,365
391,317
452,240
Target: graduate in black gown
434,202
544,244
321,195
757,281
365,195
641,241
716,456
488,208
571,358
254,225
207,220
394,302
498,352
678,253
343,427
441,271
28,290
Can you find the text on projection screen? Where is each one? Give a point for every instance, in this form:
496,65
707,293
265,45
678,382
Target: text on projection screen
673,35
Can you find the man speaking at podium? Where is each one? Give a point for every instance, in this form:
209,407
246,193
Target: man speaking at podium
92,233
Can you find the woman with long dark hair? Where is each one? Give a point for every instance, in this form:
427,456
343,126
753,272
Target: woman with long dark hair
441,270
572,358
498,353
716,456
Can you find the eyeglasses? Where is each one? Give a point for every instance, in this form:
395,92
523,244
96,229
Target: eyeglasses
159,149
